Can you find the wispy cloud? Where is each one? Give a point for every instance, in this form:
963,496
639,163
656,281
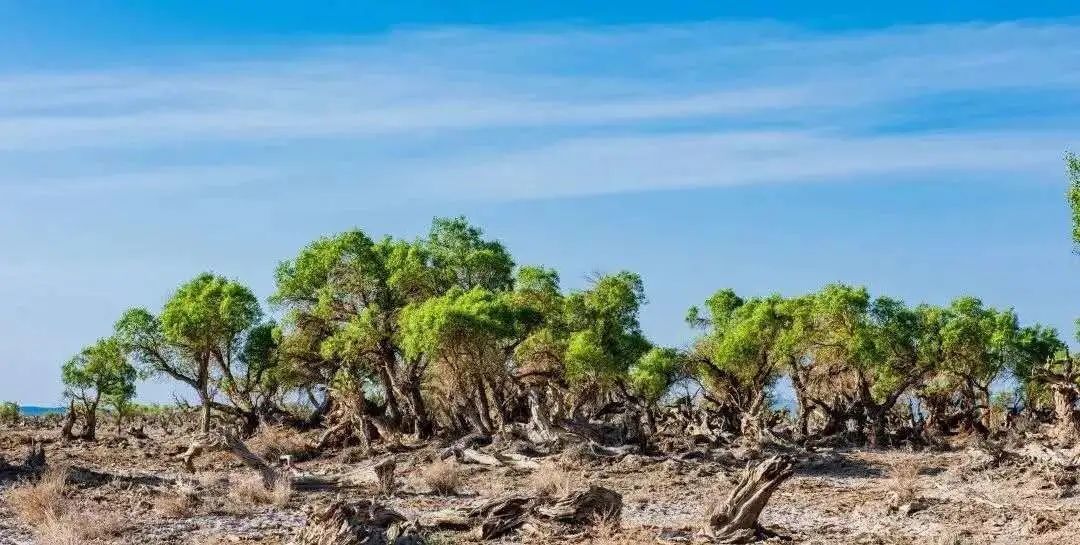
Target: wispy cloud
518,113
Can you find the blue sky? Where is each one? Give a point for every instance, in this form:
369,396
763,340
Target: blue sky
765,146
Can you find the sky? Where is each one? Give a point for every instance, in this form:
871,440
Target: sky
914,148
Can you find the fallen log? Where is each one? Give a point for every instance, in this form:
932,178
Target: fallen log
735,520
583,506
613,452
500,516
360,523
1039,452
471,455
508,459
494,518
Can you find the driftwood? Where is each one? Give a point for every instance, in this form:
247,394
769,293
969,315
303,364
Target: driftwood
613,452
504,459
380,473
1036,451
583,506
34,463
359,523
735,520
494,518
213,441
500,516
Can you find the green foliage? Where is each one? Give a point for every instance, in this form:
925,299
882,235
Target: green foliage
140,335
654,374
208,314
1072,171
100,369
462,258
977,340
9,411
605,336
465,323
744,343
1034,346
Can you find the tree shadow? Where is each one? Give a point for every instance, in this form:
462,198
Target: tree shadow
840,466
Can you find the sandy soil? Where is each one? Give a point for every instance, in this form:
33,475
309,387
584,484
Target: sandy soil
846,496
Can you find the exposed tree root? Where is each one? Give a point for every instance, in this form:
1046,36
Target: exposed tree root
735,520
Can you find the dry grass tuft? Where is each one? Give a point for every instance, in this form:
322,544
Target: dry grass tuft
550,480
56,530
441,477
273,442
250,491
101,526
180,503
41,501
902,488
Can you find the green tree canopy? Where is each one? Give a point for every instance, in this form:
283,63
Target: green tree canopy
99,370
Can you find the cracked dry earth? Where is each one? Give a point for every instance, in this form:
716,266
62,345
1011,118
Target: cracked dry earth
834,498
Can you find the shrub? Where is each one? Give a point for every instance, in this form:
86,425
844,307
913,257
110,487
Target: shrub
550,480
250,491
9,412
441,477
902,486
273,442
180,503
36,503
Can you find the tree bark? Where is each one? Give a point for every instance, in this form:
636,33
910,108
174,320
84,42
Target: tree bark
361,523
204,418
89,431
1067,424
69,422
735,520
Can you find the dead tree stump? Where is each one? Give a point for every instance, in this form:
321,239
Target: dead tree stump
213,441
360,523
495,518
735,520
384,471
584,506
499,516
35,457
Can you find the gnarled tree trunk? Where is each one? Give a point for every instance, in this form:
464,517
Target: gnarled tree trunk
735,520
361,523
1068,425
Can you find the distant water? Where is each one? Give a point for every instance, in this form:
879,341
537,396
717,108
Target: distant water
40,411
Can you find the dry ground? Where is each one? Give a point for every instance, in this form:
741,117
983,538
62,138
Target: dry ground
839,497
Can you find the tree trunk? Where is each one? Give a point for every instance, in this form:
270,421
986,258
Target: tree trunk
204,423
751,421
1067,424
421,420
483,408
735,520
89,431
361,523
386,378
69,422
876,434
803,426
539,421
